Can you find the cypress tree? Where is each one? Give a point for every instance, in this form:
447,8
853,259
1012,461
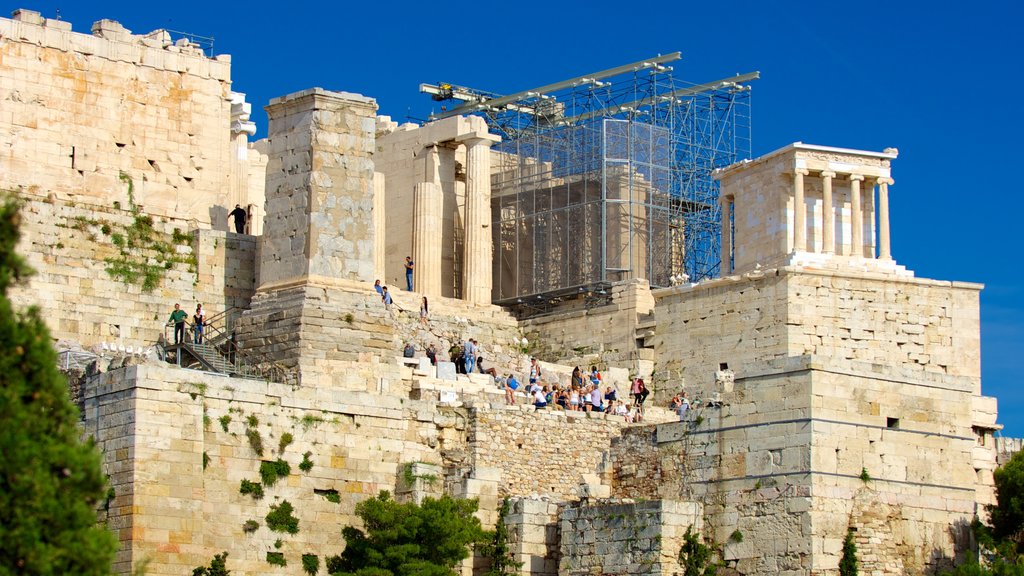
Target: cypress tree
50,481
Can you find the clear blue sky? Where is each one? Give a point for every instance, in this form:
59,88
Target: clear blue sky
939,83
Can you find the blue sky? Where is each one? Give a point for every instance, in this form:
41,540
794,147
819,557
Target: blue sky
938,83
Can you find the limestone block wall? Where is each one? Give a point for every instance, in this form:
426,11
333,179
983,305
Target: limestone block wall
534,535
912,324
626,538
71,246
540,453
81,109
177,445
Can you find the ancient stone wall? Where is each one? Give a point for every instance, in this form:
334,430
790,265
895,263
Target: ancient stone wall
72,246
626,538
80,110
542,452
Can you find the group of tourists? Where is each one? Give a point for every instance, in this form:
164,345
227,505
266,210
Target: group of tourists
178,319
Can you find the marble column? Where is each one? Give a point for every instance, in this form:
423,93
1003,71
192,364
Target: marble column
884,250
477,249
828,226
799,211
426,228
857,217
726,263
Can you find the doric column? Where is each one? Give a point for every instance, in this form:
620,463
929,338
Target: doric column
726,264
857,241
426,228
828,225
476,285
884,251
800,211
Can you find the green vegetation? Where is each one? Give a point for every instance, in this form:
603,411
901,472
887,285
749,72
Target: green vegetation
310,564
271,471
696,556
252,421
331,495
255,440
736,536
848,561
276,559
309,420
224,421
306,465
218,567
254,489
206,460
1001,544
250,526
286,439
864,476
143,258
280,518
496,549
430,539
50,481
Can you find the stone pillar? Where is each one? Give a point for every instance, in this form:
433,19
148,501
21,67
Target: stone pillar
426,238
319,221
726,266
476,285
379,225
800,212
828,225
884,251
857,224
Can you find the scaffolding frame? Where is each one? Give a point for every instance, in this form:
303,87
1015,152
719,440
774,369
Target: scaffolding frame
607,177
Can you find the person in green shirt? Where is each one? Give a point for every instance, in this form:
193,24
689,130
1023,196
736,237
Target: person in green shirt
178,319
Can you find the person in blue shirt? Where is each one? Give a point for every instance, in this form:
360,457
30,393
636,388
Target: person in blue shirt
386,298
377,287
408,273
510,390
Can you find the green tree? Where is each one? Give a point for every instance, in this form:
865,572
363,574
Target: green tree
695,556
218,567
50,481
496,549
848,562
408,540
1008,515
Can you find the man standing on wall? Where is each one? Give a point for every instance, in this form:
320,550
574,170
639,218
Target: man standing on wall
239,215
408,273
178,319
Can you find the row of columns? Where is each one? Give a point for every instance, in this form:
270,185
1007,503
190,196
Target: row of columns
828,211
427,224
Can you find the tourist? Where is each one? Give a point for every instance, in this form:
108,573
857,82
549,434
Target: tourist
424,311
239,215
595,376
510,389
577,378
198,321
178,320
432,354
386,298
409,351
610,395
683,407
621,410
480,365
595,400
457,358
376,286
639,391
574,397
469,354
540,398
408,273
562,397
535,371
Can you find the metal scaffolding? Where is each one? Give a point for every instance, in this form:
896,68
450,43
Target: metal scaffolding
607,177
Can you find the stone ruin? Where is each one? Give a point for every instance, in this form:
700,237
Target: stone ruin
838,391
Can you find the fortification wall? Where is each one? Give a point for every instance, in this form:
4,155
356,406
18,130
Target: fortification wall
910,325
81,109
72,246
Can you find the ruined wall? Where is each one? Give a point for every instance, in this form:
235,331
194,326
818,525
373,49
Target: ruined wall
81,109
543,452
156,426
71,246
626,538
